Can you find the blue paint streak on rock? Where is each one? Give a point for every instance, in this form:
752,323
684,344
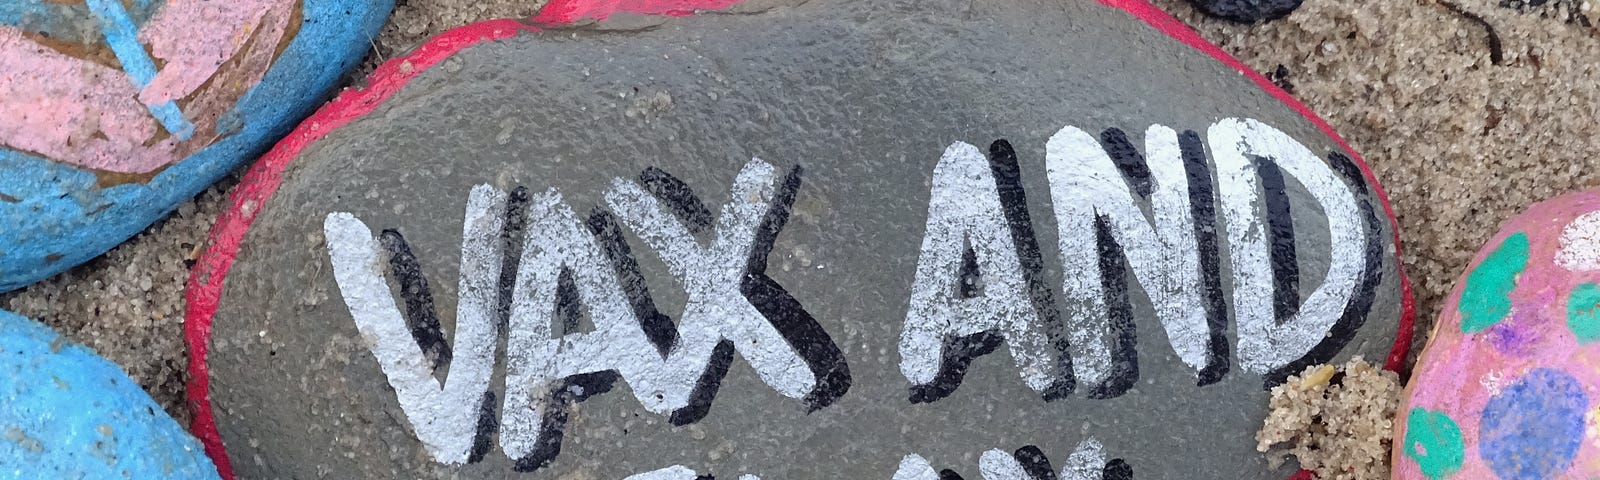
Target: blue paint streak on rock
55,216
1532,429
67,413
123,37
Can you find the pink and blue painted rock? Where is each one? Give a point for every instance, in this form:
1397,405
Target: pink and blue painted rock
114,111
1509,386
826,239
67,413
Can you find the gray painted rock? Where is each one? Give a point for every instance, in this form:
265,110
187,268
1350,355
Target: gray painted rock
832,240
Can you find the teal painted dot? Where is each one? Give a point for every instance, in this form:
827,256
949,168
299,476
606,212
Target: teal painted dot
1487,297
1434,441
1583,313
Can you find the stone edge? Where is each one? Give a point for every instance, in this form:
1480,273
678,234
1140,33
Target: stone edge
204,289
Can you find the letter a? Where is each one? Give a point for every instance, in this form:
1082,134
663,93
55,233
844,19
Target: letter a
970,224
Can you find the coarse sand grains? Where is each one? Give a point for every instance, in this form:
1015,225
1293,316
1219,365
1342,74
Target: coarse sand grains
1467,111
414,21
1336,421
127,305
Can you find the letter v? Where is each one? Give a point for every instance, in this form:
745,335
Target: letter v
445,417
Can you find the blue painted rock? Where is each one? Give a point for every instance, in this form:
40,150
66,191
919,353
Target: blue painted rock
833,240
112,112
1509,384
67,413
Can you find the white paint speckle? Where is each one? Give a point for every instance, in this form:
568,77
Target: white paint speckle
1492,382
1580,244
996,464
1086,463
914,467
675,472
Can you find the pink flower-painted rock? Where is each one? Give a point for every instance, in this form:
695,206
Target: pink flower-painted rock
1508,387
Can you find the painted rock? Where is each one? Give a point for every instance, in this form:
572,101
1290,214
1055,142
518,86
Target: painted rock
1247,10
67,413
113,112
827,240
1509,385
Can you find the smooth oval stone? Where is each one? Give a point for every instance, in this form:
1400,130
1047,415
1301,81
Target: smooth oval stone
68,413
114,112
829,240
1508,385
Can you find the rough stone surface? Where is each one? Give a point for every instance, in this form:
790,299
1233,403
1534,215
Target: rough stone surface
315,372
67,413
114,113
1508,384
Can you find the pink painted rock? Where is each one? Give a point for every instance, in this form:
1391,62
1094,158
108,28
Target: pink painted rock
1509,384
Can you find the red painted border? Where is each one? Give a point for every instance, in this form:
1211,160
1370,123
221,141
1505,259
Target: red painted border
568,11
204,289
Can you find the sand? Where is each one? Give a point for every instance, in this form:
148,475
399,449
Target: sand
414,21
1467,111
128,304
1337,421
